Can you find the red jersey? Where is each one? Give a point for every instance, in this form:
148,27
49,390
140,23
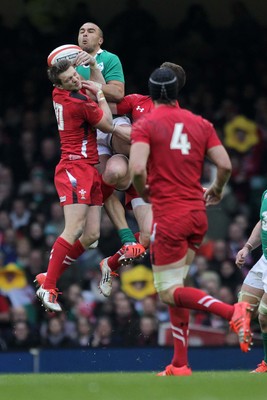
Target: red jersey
76,115
136,105
178,142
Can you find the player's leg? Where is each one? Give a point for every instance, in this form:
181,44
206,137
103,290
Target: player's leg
262,367
116,172
143,215
169,240
74,223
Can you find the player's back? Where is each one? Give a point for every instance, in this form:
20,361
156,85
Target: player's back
178,142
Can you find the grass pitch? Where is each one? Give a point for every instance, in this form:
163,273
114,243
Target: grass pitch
227,385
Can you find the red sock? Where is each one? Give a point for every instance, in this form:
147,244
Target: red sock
58,254
137,236
113,261
179,324
74,253
106,189
196,299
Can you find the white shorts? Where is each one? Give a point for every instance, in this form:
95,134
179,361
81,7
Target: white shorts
257,276
163,280
104,139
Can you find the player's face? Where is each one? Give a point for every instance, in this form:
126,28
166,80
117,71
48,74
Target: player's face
89,38
70,80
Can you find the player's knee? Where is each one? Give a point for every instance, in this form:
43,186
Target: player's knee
252,299
88,240
166,296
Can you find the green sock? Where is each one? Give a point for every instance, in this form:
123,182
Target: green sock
126,236
264,338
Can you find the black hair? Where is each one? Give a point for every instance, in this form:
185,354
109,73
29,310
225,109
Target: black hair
163,85
55,70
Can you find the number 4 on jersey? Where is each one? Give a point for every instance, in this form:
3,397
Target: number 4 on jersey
180,140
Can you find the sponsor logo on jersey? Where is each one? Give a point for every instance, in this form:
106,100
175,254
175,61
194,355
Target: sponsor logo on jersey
62,199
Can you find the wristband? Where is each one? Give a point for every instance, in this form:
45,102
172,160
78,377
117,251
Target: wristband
100,96
249,246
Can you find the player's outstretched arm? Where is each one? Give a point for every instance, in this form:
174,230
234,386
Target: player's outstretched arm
252,243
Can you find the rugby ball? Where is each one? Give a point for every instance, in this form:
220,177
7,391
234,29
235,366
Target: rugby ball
67,51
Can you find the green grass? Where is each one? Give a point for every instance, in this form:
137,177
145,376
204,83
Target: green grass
134,386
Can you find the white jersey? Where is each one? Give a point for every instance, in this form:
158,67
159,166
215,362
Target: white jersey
104,145
257,276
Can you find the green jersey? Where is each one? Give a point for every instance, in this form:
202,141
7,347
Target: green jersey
263,217
108,63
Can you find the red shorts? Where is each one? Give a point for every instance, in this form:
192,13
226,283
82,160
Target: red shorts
78,183
130,194
173,234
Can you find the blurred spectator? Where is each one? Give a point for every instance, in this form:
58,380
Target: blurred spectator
125,322
23,248
5,315
55,223
36,264
8,245
6,187
19,215
230,275
103,333
36,235
148,336
84,333
55,336
22,337
226,295
220,254
49,156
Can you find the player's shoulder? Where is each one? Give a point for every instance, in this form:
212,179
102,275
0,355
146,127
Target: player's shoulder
199,119
135,98
107,55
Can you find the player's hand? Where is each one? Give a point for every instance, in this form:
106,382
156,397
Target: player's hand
84,58
212,196
241,256
92,86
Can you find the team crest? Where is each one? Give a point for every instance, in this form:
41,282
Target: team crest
101,66
82,193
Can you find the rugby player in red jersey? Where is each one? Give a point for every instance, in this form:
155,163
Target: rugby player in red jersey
76,179
169,146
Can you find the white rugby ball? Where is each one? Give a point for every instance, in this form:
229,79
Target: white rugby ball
67,51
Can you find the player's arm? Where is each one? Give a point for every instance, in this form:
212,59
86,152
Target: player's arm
219,156
84,58
106,122
122,132
252,243
114,90
139,154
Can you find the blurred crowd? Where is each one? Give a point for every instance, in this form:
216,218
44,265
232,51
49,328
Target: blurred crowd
226,83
